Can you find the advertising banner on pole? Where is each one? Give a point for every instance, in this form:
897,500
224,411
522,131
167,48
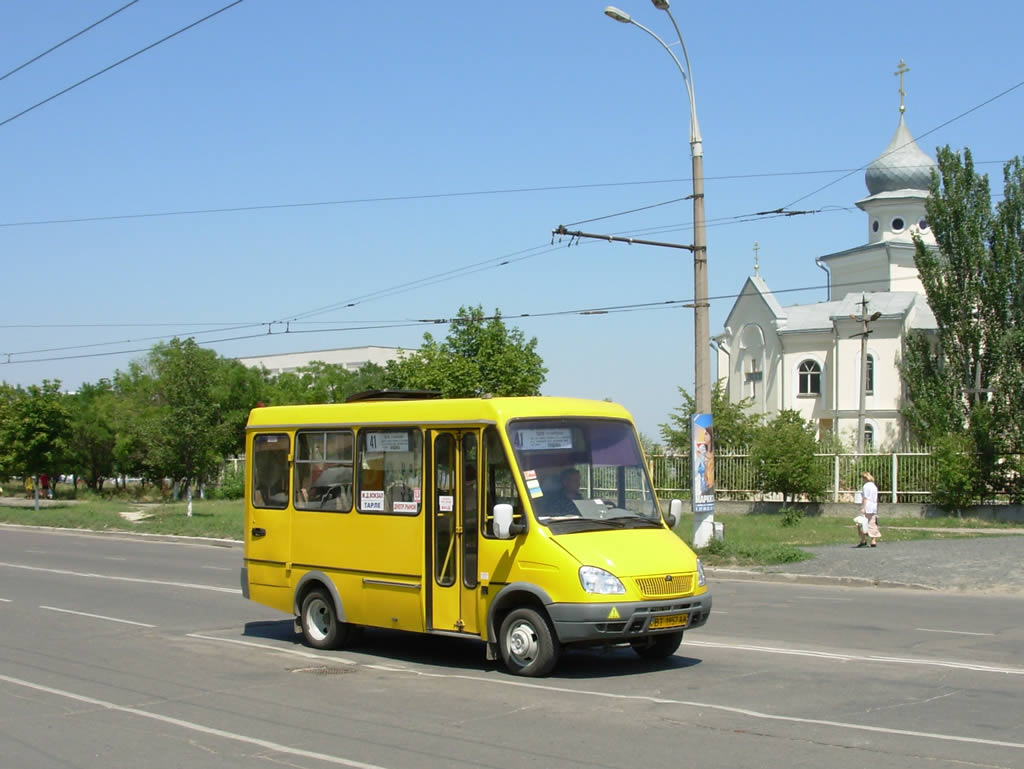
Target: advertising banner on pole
703,464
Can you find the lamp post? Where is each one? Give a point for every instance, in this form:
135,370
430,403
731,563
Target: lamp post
701,326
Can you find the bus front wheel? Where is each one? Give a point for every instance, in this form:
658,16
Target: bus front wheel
528,646
320,625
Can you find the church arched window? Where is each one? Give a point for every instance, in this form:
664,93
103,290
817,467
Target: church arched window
809,378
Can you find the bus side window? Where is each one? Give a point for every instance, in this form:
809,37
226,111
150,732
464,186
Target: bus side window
500,482
270,470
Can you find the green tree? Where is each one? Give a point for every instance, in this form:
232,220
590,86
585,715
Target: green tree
320,382
784,449
480,355
236,390
189,430
968,376
93,434
34,426
734,425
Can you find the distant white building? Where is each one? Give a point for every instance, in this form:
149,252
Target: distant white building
352,358
806,357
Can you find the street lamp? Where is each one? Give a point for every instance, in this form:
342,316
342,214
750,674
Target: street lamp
701,326
701,330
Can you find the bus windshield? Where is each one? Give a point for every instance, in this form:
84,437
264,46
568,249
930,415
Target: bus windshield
584,474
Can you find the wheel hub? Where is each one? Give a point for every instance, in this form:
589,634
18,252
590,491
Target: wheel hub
522,642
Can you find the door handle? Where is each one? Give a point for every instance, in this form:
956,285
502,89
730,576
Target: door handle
258,532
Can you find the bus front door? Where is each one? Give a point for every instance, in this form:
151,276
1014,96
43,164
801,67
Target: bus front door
454,529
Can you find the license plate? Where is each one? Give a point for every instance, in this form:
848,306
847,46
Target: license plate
669,620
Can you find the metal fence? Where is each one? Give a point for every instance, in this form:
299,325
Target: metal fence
906,476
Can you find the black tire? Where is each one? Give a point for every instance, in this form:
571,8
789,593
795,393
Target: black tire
320,625
658,647
528,645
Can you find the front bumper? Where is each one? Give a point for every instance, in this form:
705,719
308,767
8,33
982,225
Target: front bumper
614,622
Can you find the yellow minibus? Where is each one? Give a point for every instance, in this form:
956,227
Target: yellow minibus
529,523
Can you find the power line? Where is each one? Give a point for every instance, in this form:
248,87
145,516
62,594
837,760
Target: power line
423,196
421,322
119,63
67,40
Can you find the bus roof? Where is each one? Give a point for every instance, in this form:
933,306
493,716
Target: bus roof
448,410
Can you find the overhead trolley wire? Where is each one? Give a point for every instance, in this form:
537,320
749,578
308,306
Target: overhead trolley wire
83,81
80,32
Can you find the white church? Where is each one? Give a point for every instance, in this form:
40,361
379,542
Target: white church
807,357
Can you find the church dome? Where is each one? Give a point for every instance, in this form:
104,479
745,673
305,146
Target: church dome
902,166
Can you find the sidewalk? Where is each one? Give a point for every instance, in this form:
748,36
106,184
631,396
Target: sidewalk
985,564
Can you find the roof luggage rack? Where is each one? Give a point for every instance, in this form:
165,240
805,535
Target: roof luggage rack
393,395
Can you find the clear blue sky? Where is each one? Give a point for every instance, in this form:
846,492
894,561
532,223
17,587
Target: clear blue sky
446,135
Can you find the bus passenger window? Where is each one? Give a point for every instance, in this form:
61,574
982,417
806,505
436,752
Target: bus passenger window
500,483
270,471
323,470
390,471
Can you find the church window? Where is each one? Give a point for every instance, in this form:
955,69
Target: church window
874,226
869,437
923,224
898,224
809,378
869,376
753,377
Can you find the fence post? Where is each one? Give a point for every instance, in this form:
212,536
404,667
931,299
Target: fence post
895,475
835,478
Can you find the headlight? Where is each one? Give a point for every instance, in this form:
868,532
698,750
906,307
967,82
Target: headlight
701,579
595,580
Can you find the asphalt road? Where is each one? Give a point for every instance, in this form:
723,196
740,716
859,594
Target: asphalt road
129,652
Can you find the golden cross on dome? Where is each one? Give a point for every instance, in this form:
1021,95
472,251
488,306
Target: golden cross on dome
901,71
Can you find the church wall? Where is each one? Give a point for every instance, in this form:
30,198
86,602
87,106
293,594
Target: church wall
807,346
865,271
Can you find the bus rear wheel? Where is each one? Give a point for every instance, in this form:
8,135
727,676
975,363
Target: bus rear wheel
528,646
320,625
658,647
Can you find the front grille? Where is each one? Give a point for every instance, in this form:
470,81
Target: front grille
665,585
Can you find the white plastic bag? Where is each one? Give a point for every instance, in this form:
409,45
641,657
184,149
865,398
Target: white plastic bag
862,522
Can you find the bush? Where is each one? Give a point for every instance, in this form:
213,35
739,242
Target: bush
957,471
230,486
791,516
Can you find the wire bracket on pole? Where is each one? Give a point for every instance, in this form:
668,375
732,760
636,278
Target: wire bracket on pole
576,235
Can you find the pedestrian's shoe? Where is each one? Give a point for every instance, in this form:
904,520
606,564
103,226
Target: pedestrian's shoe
863,544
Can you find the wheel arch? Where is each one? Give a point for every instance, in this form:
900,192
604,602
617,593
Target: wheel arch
513,596
312,580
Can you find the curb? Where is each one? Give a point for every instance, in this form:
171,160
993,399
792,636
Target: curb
740,575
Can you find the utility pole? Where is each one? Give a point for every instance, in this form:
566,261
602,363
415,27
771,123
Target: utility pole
864,319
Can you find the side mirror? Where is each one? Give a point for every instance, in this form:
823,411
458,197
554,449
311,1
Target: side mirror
675,513
503,521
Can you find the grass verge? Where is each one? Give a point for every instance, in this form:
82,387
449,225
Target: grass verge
752,540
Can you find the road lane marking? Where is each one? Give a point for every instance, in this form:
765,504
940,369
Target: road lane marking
96,616
265,744
114,558
756,714
849,657
6,600
954,632
268,647
218,568
235,590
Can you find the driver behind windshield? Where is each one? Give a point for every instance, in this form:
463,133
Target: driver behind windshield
561,501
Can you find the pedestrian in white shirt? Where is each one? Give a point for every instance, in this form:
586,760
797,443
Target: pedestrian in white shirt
868,528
